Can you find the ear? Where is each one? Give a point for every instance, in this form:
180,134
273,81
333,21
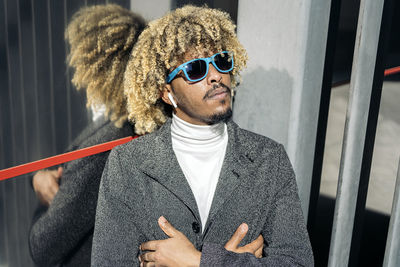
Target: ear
164,94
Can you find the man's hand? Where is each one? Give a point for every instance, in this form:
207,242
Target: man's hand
45,184
174,251
255,247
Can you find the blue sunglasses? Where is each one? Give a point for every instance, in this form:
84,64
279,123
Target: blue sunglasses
197,69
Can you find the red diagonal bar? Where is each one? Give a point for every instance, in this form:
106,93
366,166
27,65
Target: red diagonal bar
58,159
392,71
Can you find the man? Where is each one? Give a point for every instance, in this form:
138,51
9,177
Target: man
174,196
62,228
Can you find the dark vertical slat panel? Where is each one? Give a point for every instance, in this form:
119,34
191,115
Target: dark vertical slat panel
5,135
68,78
37,153
4,250
32,59
51,78
11,150
20,76
29,80
58,73
25,197
383,45
21,189
43,79
96,2
11,211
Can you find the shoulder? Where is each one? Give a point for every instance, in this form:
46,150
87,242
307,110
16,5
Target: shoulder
105,132
95,135
253,143
136,150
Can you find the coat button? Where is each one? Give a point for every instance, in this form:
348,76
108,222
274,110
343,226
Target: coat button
196,227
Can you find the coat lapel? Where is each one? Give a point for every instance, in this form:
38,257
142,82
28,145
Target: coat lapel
233,168
162,165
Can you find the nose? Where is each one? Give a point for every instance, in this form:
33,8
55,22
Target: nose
213,76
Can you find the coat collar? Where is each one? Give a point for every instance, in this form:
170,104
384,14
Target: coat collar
162,165
233,169
168,172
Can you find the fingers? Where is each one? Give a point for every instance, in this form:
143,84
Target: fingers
259,252
255,245
146,257
149,245
147,264
259,241
239,234
167,228
45,184
53,189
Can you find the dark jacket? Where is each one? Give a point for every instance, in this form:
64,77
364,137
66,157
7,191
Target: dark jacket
142,180
62,234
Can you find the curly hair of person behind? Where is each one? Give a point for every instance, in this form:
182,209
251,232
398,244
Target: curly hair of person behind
101,39
162,45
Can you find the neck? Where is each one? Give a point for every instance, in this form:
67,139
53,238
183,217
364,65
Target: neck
183,116
199,134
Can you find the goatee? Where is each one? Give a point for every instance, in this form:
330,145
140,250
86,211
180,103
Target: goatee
220,117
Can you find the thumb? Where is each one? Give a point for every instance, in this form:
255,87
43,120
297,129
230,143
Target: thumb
239,234
167,228
59,172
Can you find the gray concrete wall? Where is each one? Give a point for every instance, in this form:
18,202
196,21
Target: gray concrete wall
280,92
151,9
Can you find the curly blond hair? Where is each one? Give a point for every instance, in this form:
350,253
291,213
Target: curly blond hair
162,45
101,39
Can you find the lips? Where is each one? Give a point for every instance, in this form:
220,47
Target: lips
218,92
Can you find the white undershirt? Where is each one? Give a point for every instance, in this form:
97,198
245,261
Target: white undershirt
200,151
97,111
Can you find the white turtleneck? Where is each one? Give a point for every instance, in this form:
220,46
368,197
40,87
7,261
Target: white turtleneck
200,150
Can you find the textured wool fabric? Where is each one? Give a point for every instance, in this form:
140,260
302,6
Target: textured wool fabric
142,181
62,234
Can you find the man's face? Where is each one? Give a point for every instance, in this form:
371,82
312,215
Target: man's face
205,102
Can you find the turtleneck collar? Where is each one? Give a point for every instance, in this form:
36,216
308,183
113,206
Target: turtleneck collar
192,134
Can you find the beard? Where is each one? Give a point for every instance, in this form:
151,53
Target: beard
220,117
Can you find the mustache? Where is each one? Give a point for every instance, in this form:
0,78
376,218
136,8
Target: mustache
216,86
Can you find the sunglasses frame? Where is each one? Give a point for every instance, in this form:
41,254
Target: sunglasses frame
208,60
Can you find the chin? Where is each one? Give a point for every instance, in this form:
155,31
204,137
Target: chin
220,116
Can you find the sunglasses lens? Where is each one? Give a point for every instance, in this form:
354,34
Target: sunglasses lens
223,61
196,69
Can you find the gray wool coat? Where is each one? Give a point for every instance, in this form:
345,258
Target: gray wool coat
142,180
62,234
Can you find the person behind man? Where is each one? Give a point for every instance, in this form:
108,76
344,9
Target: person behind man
62,228
173,196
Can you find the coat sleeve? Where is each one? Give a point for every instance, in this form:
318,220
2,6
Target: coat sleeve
116,239
286,241
57,231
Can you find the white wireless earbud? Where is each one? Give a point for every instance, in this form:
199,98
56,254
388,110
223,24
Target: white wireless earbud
172,100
